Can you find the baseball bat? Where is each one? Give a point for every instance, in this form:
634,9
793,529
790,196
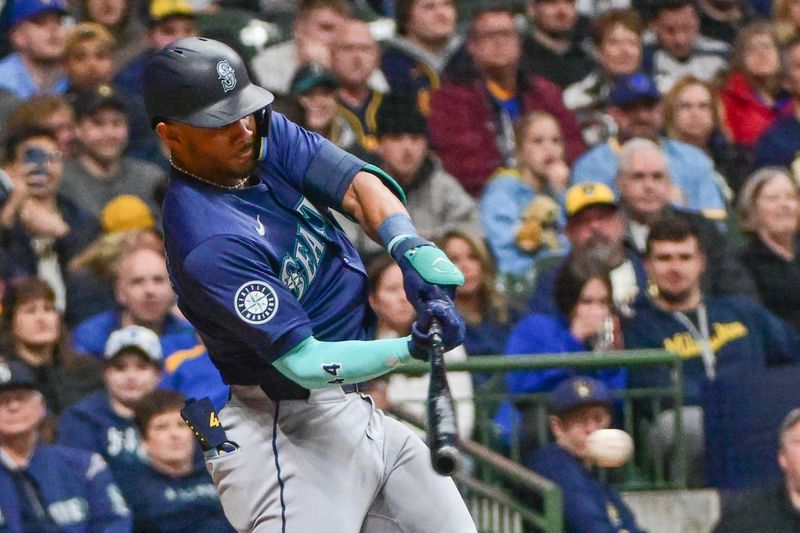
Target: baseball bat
442,428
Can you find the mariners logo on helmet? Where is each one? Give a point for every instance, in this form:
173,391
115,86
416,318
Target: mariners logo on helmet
256,302
226,75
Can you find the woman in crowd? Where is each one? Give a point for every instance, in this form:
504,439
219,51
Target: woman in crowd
518,206
34,335
769,207
692,115
751,96
120,17
617,36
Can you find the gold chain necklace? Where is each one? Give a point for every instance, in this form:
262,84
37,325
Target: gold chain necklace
238,186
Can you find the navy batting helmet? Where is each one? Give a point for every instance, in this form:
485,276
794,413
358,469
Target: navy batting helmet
200,82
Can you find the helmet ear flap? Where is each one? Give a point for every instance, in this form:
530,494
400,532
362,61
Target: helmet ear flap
263,120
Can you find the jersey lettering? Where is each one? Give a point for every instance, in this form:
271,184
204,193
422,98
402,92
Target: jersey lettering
214,421
122,440
300,269
67,512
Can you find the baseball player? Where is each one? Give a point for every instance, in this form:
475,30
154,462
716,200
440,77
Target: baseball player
278,295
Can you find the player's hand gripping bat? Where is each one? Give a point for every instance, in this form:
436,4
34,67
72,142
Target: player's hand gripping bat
442,429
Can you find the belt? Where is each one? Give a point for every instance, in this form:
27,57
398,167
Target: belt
277,394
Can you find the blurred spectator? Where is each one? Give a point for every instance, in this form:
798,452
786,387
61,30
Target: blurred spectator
617,37
42,230
585,321
723,19
46,487
770,213
103,422
595,228
314,29
173,468
472,115
780,143
394,317
775,509
100,172
555,48
692,115
644,194
167,21
89,57
594,8
710,334
436,200
145,298
634,104
49,111
355,57
786,17
37,32
518,207
679,49
425,40
119,17
484,308
191,372
35,336
578,407
751,96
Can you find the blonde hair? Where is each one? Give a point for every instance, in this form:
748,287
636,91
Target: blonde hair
671,100
785,28
88,31
103,257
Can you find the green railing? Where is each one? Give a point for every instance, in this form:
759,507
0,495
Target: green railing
644,472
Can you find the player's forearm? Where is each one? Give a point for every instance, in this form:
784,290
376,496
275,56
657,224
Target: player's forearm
317,364
369,201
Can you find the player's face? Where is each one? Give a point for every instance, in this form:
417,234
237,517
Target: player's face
41,37
104,134
171,29
644,186
495,41
620,51
432,20
130,376
21,411
777,207
214,153
403,155
389,301
143,288
572,429
675,268
693,113
677,30
541,145
466,259
168,440
89,64
36,323
789,457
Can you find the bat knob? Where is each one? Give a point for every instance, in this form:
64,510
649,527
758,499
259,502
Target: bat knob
446,460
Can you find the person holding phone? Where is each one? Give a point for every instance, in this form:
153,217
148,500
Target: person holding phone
40,229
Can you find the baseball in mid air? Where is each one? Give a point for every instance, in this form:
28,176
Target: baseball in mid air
609,448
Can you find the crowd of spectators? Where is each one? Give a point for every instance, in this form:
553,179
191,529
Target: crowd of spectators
608,175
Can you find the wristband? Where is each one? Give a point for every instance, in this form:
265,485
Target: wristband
394,229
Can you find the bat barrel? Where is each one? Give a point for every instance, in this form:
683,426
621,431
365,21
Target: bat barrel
445,460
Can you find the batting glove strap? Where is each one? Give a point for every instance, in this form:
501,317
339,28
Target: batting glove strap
453,328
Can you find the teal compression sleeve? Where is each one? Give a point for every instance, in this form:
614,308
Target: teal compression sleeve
317,364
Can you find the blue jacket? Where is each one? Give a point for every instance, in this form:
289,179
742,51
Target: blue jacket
75,487
90,336
780,144
590,505
743,334
192,372
162,503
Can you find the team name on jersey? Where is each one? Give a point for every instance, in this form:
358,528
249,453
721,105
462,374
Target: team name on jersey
189,494
683,343
122,440
299,268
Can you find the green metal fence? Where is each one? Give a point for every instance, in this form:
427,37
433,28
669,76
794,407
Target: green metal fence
644,472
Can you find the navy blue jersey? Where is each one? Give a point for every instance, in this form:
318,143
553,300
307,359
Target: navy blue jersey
258,270
92,424
75,491
159,502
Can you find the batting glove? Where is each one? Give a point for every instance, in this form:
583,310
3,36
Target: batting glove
428,274
452,328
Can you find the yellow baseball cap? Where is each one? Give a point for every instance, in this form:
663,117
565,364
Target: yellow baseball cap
125,213
164,9
584,195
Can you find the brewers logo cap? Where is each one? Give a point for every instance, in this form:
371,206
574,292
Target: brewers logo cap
139,338
578,391
584,195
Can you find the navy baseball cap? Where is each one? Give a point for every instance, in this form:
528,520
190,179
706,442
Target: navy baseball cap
24,9
633,88
100,97
15,375
578,391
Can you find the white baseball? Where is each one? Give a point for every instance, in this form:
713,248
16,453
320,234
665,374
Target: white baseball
609,448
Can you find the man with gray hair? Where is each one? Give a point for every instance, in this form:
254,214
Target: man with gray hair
646,194
778,509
